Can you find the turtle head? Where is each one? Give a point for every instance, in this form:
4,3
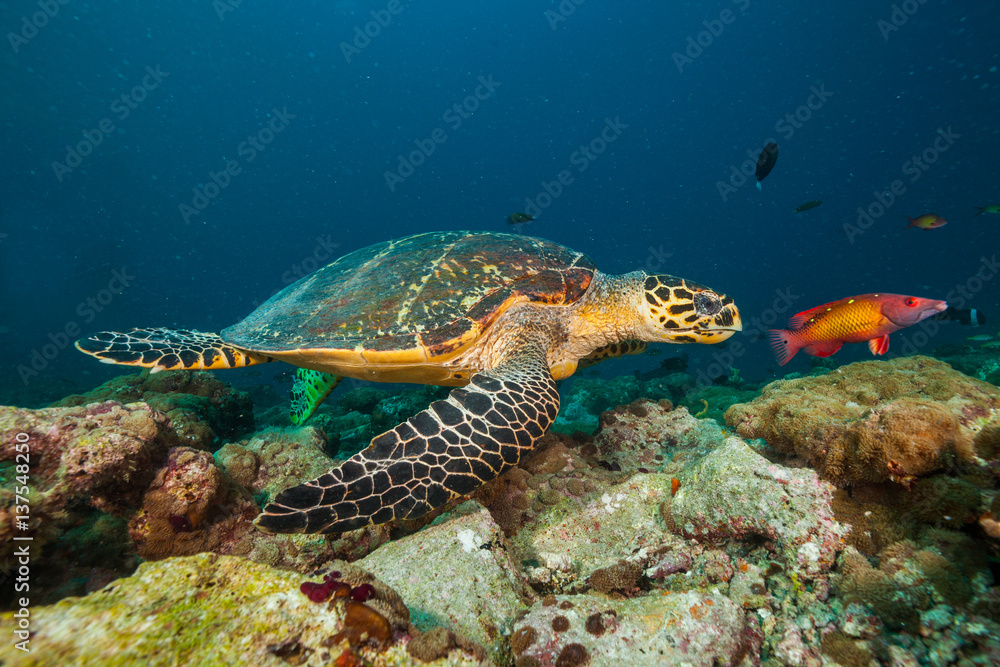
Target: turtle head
675,310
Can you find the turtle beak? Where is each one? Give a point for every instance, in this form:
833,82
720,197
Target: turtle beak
725,323
717,328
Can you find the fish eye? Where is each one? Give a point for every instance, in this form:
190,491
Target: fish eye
911,302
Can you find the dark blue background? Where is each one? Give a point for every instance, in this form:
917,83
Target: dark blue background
653,189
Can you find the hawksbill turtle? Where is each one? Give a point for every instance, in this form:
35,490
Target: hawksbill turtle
500,316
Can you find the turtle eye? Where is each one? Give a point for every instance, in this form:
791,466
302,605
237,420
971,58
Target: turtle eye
707,303
911,302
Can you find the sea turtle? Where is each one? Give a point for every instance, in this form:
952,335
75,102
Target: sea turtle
501,316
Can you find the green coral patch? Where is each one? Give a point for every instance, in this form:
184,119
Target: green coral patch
200,610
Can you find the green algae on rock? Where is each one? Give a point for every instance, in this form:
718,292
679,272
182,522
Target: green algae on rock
204,610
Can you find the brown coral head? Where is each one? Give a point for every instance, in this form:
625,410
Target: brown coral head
595,624
522,639
572,655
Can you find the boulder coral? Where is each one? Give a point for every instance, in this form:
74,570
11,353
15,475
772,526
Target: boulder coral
191,507
203,410
872,421
102,454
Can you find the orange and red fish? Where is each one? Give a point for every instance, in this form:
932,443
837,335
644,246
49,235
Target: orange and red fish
927,221
822,330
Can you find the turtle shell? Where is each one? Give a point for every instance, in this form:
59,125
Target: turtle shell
417,300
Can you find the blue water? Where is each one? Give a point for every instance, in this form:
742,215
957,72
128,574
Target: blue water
210,77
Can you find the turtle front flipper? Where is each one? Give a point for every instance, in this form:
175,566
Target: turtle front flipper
167,350
447,451
612,351
309,391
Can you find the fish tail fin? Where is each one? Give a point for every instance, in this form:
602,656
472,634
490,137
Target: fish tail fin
980,209
784,343
759,189
913,223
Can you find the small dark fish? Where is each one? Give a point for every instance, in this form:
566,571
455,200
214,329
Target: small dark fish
516,218
994,208
808,205
667,367
766,161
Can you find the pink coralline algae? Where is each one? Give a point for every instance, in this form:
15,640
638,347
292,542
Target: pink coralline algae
333,587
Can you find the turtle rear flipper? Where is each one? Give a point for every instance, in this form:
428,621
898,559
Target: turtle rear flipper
447,451
309,391
167,350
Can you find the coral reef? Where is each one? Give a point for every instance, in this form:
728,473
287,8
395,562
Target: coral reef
872,421
588,397
96,457
647,534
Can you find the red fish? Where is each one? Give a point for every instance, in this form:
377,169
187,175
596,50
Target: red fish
822,330
927,221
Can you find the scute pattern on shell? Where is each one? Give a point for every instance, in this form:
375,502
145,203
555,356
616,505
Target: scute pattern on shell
419,291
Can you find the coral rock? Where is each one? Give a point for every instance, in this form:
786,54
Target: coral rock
734,492
619,525
685,628
202,408
457,573
276,459
205,610
872,421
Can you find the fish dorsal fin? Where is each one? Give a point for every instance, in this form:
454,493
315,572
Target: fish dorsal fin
880,345
799,320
